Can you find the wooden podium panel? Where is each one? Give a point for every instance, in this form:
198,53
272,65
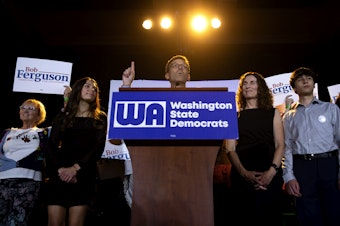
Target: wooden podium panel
173,182
172,164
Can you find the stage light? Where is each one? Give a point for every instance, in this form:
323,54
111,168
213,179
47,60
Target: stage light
183,29
166,23
147,24
199,23
216,23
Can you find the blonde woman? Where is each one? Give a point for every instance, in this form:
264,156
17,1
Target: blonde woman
21,164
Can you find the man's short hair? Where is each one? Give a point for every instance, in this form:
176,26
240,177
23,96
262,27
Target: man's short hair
300,72
167,65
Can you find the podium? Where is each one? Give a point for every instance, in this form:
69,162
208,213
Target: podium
173,182
172,177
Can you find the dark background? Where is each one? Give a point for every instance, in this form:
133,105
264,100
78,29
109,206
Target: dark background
100,38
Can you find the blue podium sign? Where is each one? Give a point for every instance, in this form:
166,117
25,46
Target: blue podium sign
182,115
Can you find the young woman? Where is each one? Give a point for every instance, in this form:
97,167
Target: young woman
76,143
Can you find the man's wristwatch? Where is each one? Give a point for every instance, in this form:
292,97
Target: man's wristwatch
274,166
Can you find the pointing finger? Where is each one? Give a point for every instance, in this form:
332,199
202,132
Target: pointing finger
132,65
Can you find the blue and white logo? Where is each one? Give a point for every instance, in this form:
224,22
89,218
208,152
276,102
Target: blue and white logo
183,114
139,114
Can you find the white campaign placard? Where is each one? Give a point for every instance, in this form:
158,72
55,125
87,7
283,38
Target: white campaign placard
113,151
41,76
333,91
280,87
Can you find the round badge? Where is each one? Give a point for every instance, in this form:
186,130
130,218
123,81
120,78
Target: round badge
322,118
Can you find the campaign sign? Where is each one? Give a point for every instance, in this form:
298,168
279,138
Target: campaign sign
185,115
41,76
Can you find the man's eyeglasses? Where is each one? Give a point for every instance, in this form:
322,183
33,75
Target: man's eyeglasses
183,66
30,108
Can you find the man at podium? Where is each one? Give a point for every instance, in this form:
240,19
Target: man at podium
182,194
177,72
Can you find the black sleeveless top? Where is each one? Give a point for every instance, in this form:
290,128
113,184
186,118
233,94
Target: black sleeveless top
256,146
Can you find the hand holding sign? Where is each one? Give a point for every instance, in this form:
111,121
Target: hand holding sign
289,101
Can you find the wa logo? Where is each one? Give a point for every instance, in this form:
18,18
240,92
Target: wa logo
139,114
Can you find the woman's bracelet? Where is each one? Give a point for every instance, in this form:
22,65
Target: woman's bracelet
77,169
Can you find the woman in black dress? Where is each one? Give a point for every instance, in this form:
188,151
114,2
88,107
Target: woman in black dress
76,143
256,175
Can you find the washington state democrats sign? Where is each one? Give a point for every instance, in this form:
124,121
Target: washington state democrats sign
186,114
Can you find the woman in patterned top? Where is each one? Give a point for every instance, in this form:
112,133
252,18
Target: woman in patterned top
21,164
